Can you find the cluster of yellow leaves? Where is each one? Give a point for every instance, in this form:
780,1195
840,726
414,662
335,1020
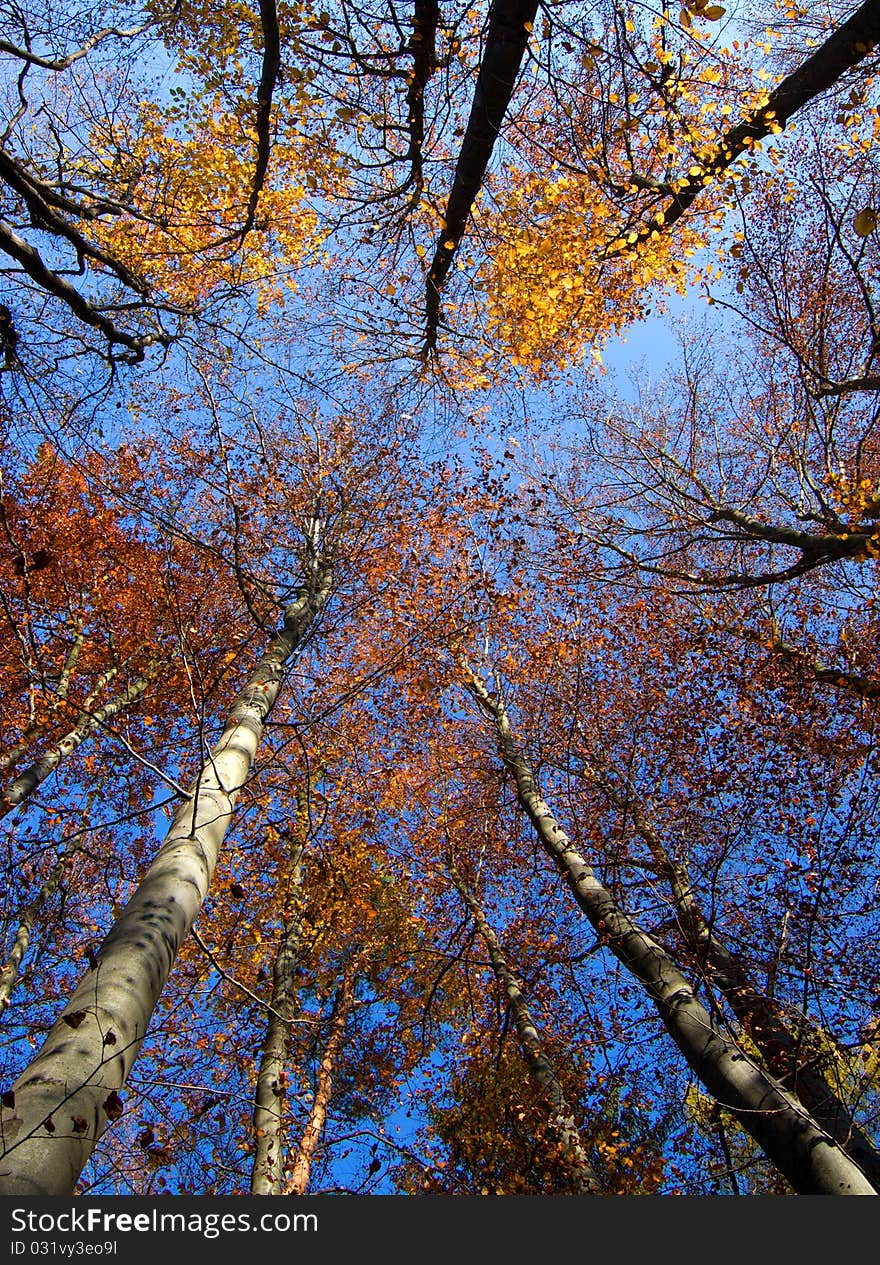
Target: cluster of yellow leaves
859,500
551,296
190,199
578,251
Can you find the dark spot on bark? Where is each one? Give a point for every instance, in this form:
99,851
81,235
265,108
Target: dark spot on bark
59,1049
36,1078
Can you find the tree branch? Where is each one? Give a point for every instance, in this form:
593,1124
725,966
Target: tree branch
509,24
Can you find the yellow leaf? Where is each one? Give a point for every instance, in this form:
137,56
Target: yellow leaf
713,12
865,222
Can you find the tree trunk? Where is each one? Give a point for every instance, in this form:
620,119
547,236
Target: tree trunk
10,969
63,1101
540,1067
302,1165
271,1079
22,787
806,1155
11,757
510,22
423,46
786,1054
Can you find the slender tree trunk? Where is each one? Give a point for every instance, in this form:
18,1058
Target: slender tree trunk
9,971
423,46
11,757
22,787
786,1054
311,1136
807,1156
270,1094
540,1066
63,1101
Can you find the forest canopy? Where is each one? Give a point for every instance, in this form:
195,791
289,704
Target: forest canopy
434,762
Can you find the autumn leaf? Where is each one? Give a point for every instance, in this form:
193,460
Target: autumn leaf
865,222
113,1105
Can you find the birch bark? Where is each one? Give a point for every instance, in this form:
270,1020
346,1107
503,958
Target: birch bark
806,1155
68,1094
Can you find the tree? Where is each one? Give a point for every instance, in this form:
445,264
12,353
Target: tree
560,1116
300,357
796,1144
113,1003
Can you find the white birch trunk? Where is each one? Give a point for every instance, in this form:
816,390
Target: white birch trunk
23,786
68,1094
807,1156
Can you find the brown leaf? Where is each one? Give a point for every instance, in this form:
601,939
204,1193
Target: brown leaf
7,1098
42,558
74,1019
113,1105
80,1124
